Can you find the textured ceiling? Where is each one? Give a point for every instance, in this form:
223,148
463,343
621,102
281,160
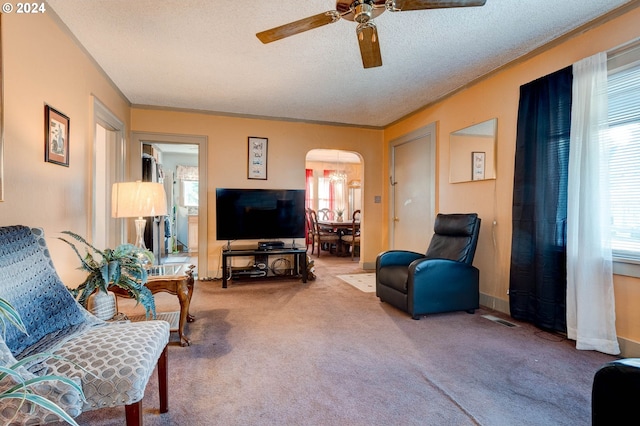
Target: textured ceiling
204,55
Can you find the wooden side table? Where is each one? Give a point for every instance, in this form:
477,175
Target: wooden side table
173,279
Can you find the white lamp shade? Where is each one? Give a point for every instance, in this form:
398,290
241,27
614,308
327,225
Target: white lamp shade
138,199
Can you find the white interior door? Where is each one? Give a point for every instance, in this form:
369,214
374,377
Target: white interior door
413,190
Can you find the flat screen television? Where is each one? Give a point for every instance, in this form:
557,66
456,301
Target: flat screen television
259,214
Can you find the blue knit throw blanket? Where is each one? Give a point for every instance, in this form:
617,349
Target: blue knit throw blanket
30,283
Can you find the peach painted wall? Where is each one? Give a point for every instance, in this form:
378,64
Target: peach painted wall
289,143
42,65
497,96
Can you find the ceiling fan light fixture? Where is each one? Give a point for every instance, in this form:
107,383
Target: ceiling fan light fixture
363,12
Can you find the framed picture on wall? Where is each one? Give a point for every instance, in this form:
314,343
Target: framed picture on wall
477,165
56,137
257,158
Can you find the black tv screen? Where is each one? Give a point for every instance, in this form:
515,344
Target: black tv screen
255,214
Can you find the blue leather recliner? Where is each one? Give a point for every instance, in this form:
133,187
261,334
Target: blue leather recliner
443,279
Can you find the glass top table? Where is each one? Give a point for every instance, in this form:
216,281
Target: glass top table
168,269
176,279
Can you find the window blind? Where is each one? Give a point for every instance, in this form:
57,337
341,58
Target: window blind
624,160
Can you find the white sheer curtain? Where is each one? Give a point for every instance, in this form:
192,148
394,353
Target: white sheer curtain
590,301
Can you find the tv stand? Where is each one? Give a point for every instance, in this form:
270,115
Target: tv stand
260,268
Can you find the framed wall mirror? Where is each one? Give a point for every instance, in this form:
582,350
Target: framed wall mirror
472,152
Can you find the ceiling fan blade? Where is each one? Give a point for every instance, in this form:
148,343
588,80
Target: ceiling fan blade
404,5
299,26
369,45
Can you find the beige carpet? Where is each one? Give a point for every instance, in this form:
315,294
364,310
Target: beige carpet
363,282
280,353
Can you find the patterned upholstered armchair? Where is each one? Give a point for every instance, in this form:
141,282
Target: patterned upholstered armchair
112,361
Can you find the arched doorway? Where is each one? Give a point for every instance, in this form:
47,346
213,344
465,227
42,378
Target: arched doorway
334,181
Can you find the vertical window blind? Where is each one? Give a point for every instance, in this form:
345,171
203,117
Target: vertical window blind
624,159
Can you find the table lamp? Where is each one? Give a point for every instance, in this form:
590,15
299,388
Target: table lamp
138,199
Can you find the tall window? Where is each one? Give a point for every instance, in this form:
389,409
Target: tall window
339,194
330,193
624,153
310,192
324,191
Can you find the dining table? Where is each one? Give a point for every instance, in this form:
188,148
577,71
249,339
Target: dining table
341,227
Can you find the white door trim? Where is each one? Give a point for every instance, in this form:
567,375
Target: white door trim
104,117
137,139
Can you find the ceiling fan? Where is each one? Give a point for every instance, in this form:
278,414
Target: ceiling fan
363,12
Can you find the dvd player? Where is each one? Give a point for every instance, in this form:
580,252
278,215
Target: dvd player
270,245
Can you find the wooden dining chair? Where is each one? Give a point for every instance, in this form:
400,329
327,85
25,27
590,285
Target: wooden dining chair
321,237
325,214
309,230
352,239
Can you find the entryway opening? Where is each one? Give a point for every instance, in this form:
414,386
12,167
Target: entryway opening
174,237
334,182
179,163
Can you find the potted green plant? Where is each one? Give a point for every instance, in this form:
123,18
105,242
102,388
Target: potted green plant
22,389
122,267
339,213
